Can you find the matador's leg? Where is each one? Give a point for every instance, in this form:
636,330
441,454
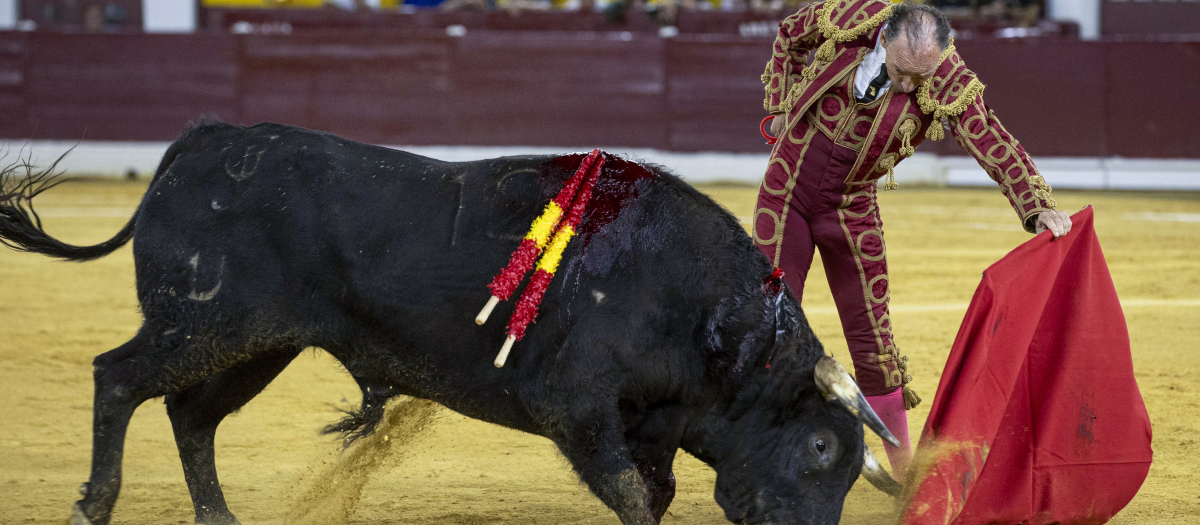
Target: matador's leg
780,229
854,255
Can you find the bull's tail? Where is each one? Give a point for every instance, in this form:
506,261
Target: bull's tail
21,228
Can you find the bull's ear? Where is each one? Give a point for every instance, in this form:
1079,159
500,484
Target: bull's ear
780,325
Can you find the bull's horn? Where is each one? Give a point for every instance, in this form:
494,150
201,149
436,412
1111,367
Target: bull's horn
836,384
878,477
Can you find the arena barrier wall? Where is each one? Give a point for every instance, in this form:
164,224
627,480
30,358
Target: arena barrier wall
699,92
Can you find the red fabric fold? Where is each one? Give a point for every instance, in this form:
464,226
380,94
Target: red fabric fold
1037,418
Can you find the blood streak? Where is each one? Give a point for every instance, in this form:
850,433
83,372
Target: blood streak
616,187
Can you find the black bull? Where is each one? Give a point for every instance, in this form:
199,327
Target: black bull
656,334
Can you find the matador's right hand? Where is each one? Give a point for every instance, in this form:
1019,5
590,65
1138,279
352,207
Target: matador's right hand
777,124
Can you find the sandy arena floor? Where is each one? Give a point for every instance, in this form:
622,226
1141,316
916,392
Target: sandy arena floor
55,317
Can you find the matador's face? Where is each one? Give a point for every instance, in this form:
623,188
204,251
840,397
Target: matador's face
909,66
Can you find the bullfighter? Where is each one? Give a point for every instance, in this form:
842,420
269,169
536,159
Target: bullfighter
884,77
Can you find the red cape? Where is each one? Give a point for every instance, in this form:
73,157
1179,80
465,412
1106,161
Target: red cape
1037,417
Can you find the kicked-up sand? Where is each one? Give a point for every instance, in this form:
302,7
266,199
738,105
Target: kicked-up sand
438,467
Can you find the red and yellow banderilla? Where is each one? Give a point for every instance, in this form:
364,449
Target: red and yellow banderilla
579,189
505,283
527,305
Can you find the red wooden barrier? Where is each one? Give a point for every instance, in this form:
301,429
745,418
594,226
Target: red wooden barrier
13,49
697,92
380,88
565,89
714,99
125,86
1050,95
1144,19
1153,104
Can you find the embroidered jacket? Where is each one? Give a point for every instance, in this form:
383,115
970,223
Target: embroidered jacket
885,131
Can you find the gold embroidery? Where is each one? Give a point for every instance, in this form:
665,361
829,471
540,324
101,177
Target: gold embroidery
860,54
884,102
775,237
849,137
928,105
766,79
797,34
780,219
1004,163
887,351
834,34
941,111
1041,190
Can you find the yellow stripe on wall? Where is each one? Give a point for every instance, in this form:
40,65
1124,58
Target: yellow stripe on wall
262,4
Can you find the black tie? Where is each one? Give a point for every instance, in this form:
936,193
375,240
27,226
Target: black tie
876,84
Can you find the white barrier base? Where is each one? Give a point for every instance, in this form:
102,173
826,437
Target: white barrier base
119,159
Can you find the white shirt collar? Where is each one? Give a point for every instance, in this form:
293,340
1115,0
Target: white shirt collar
870,68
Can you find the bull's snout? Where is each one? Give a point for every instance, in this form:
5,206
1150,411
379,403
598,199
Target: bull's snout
765,509
789,519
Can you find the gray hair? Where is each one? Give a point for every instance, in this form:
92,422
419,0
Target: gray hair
919,22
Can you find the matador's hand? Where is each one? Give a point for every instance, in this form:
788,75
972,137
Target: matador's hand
1057,221
777,124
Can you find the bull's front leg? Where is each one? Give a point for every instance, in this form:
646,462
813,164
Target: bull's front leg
596,449
654,462
653,439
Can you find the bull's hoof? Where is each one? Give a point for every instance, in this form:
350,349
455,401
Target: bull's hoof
215,520
78,517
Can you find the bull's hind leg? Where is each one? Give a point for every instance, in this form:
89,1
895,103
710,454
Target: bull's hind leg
125,377
113,405
196,413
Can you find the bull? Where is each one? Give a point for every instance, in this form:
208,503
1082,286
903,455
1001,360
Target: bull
252,244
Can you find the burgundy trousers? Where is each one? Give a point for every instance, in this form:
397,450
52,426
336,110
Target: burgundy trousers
804,204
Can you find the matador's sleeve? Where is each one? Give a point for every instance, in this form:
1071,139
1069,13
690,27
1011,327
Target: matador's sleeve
798,34
979,132
955,94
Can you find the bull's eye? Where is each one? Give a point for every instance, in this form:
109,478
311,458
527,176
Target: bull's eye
823,450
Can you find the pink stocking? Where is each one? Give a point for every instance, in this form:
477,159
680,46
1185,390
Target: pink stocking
890,408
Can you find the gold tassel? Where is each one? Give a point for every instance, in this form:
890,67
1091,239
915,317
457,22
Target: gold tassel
825,52
888,162
935,131
810,72
890,185
940,111
906,132
789,100
911,399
